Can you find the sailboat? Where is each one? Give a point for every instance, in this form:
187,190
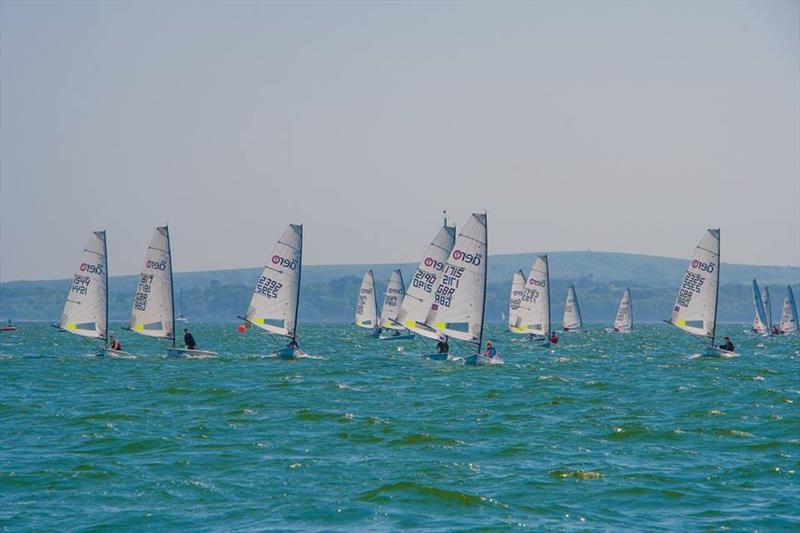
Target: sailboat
392,299
417,302
623,323
181,317
572,312
767,301
533,315
789,314
695,309
367,306
459,299
86,309
760,320
274,305
153,313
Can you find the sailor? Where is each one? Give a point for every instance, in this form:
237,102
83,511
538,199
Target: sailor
553,337
491,353
188,340
727,345
442,346
292,344
114,344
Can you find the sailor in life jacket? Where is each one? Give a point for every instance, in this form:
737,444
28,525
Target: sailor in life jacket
491,353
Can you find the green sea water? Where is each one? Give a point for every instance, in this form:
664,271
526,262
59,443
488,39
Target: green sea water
604,432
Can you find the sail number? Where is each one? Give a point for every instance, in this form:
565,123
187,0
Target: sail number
80,284
692,283
424,280
450,280
142,292
268,287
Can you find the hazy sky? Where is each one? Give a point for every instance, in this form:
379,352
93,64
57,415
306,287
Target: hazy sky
607,126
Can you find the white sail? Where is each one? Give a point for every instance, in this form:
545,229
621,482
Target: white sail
789,314
760,320
765,299
572,311
85,309
534,311
417,302
273,307
517,286
695,308
624,320
392,300
152,313
367,307
459,297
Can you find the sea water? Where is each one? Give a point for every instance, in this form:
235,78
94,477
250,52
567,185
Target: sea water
602,432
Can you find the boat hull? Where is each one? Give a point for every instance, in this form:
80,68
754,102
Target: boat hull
396,337
185,352
115,354
713,351
289,353
482,360
436,356
8,328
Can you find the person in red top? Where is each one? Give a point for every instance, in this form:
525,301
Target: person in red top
553,337
114,344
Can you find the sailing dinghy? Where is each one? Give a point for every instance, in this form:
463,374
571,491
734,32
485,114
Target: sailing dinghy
459,302
695,309
760,320
273,307
153,313
417,302
367,306
789,313
392,299
572,312
86,309
623,323
517,286
533,314
181,317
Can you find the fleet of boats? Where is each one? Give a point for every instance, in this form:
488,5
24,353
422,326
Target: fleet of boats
445,301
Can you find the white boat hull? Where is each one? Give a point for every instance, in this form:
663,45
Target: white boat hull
482,360
713,351
117,354
403,337
185,352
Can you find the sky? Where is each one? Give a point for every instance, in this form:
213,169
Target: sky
610,126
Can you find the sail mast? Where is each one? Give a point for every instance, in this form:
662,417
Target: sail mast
299,277
105,253
171,285
549,332
485,273
716,297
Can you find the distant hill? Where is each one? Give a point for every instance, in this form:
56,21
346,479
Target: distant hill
329,291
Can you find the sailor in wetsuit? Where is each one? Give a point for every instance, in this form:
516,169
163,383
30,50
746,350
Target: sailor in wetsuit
442,346
727,345
188,340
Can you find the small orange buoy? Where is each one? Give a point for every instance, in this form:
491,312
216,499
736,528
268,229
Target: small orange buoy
242,328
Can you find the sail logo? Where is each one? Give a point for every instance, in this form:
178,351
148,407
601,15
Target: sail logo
537,282
366,291
430,262
285,263
91,269
705,267
392,290
156,265
472,259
